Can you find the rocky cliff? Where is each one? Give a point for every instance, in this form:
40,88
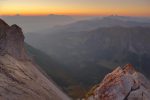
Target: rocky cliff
123,84
20,78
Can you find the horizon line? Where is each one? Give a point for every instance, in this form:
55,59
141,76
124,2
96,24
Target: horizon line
12,15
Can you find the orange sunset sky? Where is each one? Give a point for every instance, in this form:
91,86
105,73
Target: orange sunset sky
75,7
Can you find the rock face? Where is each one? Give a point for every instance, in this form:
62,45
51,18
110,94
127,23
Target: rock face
123,84
12,41
20,78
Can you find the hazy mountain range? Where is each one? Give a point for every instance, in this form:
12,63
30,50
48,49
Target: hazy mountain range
78,55
91,48
36,23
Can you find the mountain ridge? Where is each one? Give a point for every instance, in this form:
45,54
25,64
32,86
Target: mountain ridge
20,77
97,50
124,83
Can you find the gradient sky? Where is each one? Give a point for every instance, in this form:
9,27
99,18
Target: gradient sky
75,7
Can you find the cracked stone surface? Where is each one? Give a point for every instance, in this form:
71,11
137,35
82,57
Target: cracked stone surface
20,77
123,84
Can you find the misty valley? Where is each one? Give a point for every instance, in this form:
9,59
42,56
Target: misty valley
75,54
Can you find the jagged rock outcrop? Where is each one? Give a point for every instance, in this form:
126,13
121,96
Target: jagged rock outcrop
20,77
123,84
12,41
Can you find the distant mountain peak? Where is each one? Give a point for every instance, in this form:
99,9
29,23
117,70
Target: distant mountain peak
123,84
113,18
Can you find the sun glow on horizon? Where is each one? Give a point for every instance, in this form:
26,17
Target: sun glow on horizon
78,7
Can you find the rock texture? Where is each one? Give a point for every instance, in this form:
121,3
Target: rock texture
20,77
123,84
12,41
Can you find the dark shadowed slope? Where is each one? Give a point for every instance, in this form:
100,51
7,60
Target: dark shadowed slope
57,72
101,47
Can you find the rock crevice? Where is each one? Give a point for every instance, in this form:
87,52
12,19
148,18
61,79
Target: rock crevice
132,89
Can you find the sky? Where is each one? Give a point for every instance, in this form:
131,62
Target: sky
75,7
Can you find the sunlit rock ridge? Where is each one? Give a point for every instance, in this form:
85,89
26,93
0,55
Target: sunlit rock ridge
20,77
123,84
